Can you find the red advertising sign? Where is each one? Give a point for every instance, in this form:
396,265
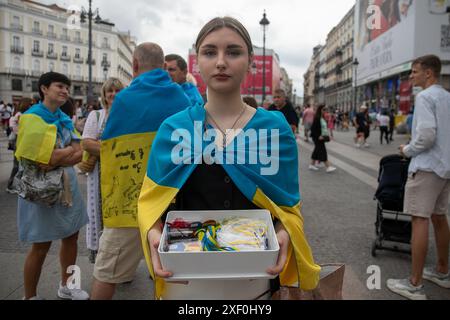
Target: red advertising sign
405,96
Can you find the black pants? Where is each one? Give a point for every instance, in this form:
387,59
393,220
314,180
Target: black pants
320,151
384,131
391,133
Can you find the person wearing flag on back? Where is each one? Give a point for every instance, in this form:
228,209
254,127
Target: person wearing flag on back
225,55
176,66
135,117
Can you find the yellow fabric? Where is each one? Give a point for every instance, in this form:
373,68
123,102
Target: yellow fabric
123,166
153,202
36,139
300,267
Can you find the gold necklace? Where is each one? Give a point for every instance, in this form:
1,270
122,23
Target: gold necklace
224,134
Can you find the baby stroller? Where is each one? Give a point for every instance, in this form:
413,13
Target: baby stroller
392,224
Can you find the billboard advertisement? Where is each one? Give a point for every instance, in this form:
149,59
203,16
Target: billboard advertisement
390,34
384,35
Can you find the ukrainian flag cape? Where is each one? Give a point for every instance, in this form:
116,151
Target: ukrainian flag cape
277,192
193,94
135,116
38,128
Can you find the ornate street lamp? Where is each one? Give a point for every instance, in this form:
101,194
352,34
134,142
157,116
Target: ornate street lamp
254,71
355,89
264,23
89,14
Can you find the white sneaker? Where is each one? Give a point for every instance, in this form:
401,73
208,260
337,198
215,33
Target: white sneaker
331,169
313,168
405,288
442,280
366,145
320,165
72,294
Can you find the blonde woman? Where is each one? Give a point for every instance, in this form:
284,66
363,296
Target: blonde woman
93,129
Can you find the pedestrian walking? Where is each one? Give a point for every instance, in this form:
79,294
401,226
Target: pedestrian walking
47,142
427,190
95,124
308,119
319,134
134,118
225,54
383,121
362,125
391,124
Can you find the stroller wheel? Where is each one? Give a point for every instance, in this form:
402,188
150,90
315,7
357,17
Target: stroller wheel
374,249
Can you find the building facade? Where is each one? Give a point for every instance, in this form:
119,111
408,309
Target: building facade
339,64
385,53
37,38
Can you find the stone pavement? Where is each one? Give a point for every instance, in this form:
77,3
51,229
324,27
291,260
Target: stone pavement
339,215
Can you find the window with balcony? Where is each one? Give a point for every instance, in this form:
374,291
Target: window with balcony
64,54
16,45
15,24
78,37
34,86
36,27
65,35
51,67
51,31
65,68
36,65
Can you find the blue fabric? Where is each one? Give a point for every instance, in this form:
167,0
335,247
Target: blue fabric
144,105
282,187
38,223
57,118
193,94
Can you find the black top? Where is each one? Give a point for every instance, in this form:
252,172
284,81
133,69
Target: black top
210,188
288,112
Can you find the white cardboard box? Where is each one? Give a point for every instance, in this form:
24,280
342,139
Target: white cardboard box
221,265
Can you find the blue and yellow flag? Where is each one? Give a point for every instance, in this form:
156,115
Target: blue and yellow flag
193,94
38,128
134,119
266,172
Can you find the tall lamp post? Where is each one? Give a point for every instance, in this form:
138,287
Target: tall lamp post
355,90
264,23
254,70
295,97
90,14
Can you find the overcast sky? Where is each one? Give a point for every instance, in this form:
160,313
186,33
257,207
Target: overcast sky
296,26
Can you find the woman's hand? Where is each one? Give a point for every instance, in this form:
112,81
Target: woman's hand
154,237
321,138
283,240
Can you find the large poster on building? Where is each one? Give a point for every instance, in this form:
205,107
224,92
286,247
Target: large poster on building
384,35
390,34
